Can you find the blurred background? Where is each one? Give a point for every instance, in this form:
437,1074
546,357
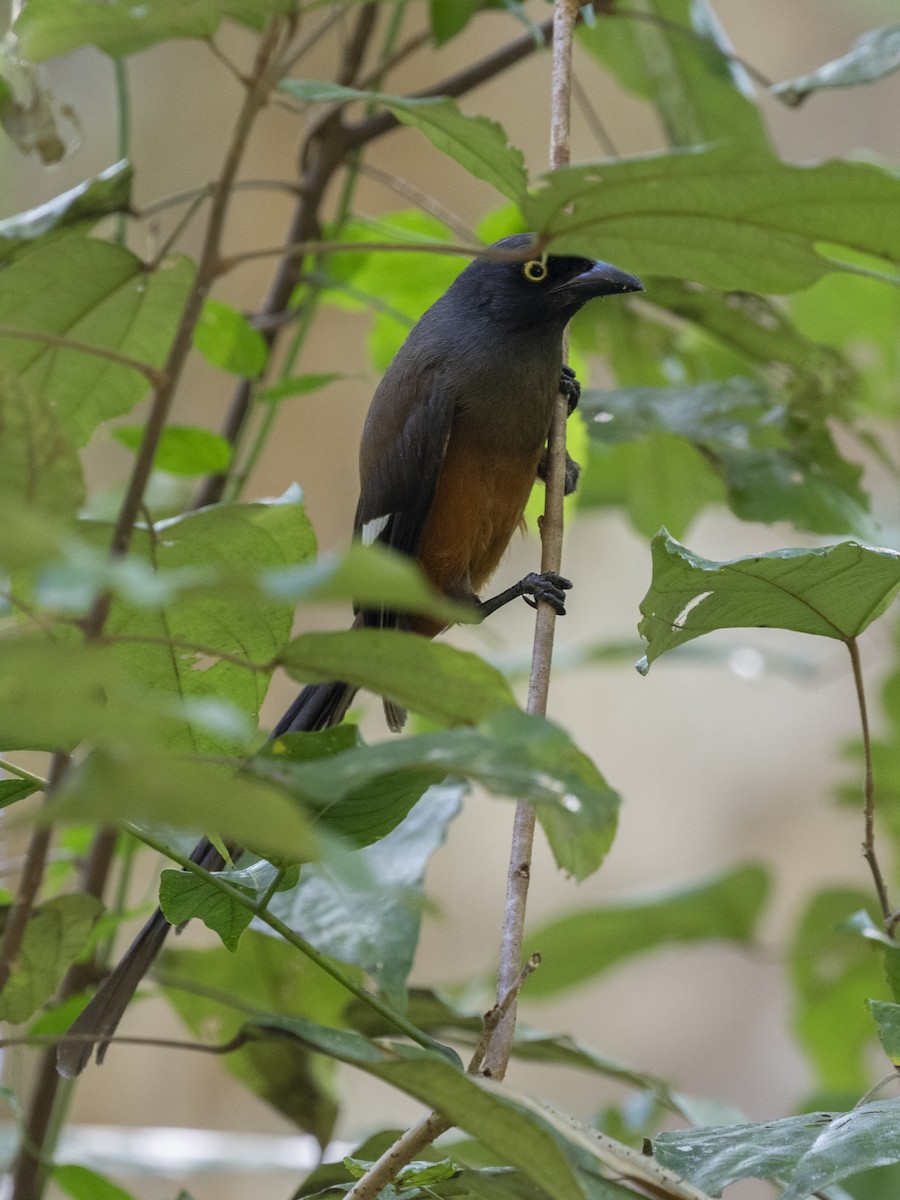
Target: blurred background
719,760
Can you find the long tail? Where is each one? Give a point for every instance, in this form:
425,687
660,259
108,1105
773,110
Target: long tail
317,707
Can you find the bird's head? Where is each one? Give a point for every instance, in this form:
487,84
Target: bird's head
540,291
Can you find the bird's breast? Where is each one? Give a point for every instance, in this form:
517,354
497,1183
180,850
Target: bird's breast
478,505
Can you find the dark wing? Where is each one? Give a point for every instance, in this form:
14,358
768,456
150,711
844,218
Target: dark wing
403,450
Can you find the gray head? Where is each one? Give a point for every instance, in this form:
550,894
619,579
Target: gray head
537,292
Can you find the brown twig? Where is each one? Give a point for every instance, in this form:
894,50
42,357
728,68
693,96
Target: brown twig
890,918
519,873
495,1015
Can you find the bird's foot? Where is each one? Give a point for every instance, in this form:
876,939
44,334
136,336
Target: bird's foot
570,388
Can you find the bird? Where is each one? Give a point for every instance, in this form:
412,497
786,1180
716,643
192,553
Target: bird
455,437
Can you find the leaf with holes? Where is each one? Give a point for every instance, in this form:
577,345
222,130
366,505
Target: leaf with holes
831,591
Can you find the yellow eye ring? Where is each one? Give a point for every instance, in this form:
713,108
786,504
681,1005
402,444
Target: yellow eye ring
534,270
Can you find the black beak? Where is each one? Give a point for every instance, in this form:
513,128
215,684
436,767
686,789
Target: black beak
603,279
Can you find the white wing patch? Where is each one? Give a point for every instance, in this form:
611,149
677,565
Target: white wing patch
371,529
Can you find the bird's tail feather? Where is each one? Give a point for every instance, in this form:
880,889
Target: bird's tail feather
98,1020
317,707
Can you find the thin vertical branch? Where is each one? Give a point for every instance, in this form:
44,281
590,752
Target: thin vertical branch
518,879
890,919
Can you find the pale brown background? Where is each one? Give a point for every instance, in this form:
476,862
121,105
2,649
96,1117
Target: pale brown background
714,768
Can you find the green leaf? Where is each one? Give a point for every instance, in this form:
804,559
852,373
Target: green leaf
108,192
491,1115
219,550
871,57
834,972
370,279
212,990
226,339
830,591
414,1174
183,896
372,577
450,17
48,28
55,933
853,1142
182,449
887,1022
13,790
373,922
771,464
658,480
476,143
97,701
814,377
297,385
330,1175
98,294
674,54
859,317
713,1158
27,538
438,681
81,1183
730,218
569,1161
577,947
39,466
510,754
198,796
379,802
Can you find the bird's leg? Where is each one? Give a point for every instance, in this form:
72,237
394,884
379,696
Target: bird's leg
548,587
571,389
573,473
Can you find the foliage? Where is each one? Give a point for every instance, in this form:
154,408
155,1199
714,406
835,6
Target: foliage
140,636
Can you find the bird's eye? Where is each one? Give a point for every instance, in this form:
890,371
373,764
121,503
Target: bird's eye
534,270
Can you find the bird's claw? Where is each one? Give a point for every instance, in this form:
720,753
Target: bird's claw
570,388
549,587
